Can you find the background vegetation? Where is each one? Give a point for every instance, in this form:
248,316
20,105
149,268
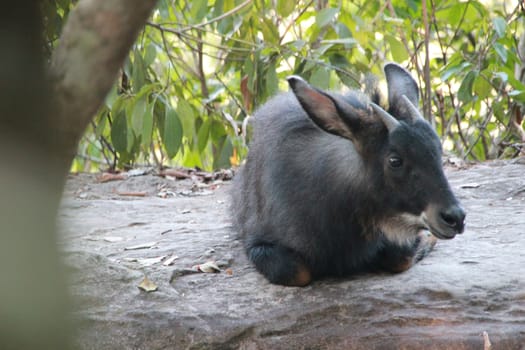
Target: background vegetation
200,67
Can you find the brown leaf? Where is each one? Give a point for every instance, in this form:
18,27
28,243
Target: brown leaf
132,194
106,177
178,174
247,96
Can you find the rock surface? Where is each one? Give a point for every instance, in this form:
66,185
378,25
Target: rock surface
466,286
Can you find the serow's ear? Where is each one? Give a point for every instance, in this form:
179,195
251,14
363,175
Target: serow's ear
335,117
400,83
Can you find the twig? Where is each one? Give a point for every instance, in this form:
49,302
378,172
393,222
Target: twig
218,18
232,95
426,68
295,20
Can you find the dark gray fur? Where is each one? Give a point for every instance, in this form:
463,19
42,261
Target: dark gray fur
313,197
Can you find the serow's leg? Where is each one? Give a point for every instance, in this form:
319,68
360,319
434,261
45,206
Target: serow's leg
279,264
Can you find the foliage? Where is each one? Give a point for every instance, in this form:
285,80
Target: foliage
199,68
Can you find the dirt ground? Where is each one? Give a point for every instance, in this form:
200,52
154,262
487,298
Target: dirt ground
468,291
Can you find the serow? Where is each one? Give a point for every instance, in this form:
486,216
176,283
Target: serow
335,185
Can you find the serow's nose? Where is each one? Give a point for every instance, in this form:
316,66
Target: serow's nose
454,217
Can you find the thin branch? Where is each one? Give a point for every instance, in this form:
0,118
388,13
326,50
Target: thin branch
426,68
218,18
180,34
292,22
232,95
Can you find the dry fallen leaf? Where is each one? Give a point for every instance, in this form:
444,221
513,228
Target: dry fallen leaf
106,177
146,261
147,285
229,272
178,174
113,239
208,267
170,261
164,193
132,193
141,246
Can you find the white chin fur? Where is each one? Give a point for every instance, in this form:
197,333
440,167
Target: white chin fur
403,228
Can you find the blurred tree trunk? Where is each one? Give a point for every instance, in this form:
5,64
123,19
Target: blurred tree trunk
41,122
92,48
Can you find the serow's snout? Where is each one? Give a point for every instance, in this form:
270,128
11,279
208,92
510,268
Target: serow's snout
453,217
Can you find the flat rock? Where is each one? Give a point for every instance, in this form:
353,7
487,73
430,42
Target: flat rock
472,284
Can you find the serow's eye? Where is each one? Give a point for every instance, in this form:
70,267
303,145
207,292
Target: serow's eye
395,162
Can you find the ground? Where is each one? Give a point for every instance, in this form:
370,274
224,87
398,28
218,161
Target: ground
468,292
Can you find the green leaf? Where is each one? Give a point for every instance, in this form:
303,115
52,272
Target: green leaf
272,82
203,136
517,95
499,26
349,42
325,16
217,131
453,70
270,31
164,7
192,159
223,158
172,132
187,118
320,78
199,9
397,49
465,90
159,113
347,76
137,116
139,71
482,87
147,127
502,75
119,132
501,51
285,7
150,55
101,123
111,96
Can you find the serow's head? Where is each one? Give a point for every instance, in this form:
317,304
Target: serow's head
401,153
